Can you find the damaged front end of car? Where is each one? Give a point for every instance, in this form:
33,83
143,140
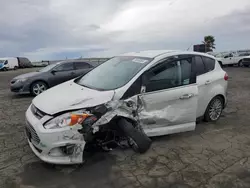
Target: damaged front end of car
113,124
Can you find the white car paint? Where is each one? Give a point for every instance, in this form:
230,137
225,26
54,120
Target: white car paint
230,59
162,112
70,96
209,84
9,62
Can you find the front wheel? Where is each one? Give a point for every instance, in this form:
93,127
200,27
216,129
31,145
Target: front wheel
38,87
137,140
214,109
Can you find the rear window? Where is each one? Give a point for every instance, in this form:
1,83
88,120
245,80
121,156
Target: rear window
209,63
82,65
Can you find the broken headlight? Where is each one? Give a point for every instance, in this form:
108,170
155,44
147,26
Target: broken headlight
70,119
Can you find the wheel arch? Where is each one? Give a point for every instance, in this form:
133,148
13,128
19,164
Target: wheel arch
39,80
240,60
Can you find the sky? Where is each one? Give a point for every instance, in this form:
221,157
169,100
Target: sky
56,29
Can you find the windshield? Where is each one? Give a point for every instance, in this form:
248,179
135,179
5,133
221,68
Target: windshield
48,68
114,73
2,61
220,55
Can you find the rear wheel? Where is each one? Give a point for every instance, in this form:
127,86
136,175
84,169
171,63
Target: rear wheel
137,140
15,68
214,109
38,87
240,64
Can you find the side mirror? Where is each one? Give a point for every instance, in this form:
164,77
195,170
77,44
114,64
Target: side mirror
143,89
53,71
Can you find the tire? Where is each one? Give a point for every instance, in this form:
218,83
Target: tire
5,69
15,68
137,139
216,101
38,87
240,64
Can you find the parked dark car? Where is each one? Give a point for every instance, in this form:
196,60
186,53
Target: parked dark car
246,62
51,75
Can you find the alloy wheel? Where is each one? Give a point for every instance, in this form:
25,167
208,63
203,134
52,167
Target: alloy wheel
215,109
38,88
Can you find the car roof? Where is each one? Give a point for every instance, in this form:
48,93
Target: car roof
148,53
71,61
155,53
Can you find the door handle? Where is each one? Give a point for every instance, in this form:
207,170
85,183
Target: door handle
207,82
187,96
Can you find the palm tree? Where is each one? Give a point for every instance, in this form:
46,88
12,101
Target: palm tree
209,43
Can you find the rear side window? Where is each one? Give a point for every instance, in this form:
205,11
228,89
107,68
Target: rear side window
199,65
209,63
65,67
82,65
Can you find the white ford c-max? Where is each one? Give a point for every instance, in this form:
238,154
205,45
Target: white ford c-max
153,92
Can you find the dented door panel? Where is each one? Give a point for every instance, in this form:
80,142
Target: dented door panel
169,107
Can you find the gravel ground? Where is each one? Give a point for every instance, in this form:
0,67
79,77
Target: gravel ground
214,155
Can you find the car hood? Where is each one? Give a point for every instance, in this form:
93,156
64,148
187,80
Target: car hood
70,96
218,58
27,75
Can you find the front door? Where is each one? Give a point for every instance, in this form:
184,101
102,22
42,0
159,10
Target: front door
228,59
169,101
61,73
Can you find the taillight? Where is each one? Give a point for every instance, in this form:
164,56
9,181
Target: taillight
226,76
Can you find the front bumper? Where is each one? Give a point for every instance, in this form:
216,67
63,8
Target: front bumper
20,87
51,145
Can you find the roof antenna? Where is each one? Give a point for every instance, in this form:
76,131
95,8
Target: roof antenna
189,47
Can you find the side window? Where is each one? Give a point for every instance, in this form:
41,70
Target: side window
65,67
169,75
209,63
6,62
199,65
82,65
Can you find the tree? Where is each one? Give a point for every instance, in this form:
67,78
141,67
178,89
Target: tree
209,43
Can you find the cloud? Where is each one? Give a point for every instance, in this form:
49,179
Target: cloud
51,29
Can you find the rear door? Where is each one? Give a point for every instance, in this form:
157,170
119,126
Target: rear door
82,68
205,80
62,73
170,97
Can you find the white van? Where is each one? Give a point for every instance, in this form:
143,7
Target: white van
8,63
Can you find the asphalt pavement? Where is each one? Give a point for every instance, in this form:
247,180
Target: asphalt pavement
214,155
